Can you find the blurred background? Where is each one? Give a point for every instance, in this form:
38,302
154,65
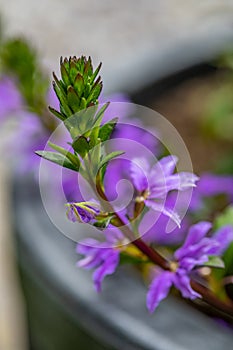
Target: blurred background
174,56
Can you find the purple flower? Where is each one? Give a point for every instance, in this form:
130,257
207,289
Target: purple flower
10,98
154,183
104,257
83,212
211,185
193,253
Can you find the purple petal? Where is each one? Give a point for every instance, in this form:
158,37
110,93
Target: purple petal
159,289
199,251
182,282
165,166
188,263
107,268
86,245
139,170
212,185
224,236
162,209
161,185
195,234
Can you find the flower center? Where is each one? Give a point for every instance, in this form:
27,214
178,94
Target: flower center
142,197
173,266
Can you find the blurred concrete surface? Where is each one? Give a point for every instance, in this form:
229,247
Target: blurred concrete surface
12,313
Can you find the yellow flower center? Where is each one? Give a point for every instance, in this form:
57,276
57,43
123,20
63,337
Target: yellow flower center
173,266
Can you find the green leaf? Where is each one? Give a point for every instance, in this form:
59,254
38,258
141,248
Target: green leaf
95,73
60,84
88,69
83,104
64,75
109,157
95,92
215,261
73,70
57,158
228,259
57,114
106,130
19,59
63,101
66,63
79,84
99,115
87,90
72,157
103,223
225,218
73,99
81,146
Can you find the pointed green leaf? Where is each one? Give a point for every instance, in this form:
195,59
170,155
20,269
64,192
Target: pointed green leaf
57,114
65,75
87,90
79,84
106,130
73,70
109,157
95,92
57,158
65,109
214,261
59,84
81,146
83,104
66,64
88,70
95,73
73,99
72,157
100,114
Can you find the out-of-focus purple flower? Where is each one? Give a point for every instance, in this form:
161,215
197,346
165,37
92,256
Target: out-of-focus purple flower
104,256
120,106
211,185
154,183
10,98
84,212
193,253
31,136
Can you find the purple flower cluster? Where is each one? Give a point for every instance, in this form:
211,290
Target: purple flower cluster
192,254
104,257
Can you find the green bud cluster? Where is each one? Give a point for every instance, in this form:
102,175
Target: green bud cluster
78,88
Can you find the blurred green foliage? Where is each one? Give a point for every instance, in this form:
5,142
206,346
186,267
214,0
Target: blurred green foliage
19,59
